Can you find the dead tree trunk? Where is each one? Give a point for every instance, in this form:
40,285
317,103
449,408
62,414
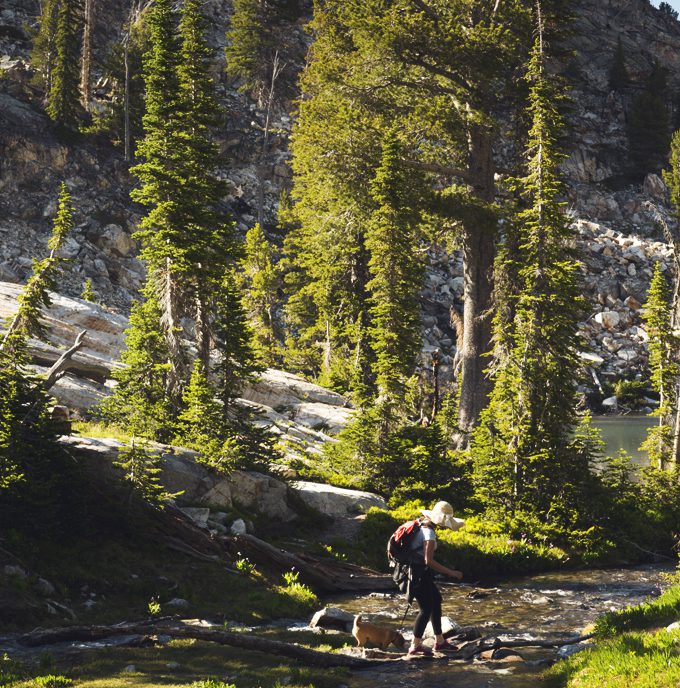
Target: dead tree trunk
86,59
62,363
243,641
326,575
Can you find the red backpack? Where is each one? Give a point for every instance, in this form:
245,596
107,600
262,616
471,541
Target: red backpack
399,544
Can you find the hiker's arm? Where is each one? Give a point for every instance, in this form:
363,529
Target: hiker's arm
435,565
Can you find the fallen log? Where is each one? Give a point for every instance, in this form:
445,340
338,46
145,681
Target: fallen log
325,575
245,642
467,650
496,643
63,363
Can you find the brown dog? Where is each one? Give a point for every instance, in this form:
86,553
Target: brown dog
369,634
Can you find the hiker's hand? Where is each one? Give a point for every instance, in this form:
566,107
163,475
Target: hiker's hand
458,575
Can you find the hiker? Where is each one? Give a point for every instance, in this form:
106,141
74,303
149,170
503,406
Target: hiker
423,567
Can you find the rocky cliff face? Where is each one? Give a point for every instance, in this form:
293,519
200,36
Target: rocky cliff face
617,213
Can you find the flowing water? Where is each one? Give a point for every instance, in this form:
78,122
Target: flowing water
549,606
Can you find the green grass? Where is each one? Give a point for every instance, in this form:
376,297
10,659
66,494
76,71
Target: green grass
183,663
642,660
100,430
662,611
627,652
122,577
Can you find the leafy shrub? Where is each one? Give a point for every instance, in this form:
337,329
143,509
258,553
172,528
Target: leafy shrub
299,592
245,566
52,681
630,392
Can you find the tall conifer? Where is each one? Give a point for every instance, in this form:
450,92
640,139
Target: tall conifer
165,245
43,51
140,402
663,345
213,248
63,100
396,273
522,444
261,280
26,431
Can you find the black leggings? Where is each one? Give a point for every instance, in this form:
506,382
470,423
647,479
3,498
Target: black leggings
430,602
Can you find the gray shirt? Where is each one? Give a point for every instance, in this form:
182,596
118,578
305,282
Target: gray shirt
418,543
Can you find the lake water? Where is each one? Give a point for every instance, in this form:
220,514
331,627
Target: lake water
625,432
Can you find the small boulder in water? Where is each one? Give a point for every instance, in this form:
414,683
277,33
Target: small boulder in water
569,650
333,617
501,654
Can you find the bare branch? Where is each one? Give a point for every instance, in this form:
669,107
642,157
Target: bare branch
61,364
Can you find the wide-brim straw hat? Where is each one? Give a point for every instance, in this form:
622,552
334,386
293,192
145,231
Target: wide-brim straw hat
442,515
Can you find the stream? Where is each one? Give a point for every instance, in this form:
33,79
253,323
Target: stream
548,606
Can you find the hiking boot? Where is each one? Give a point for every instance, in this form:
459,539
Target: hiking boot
420,650
444,646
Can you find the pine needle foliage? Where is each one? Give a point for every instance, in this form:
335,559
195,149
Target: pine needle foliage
27,433
259,32
141,470
261,280
165,244
663,343
63,99
396,273
236,361
140,402
35,295
43,51
201,416
522,446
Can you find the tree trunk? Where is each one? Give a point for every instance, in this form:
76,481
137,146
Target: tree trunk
675,455
60,366
86,59
203,333
126,98
326,575
241,640
479,252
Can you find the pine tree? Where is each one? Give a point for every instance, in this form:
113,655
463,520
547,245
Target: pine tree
664,368
26,432
120,118
35,295
236,362
165,244
88,293
428,69
649,124
213,243
396,274
86,57
261,281
201,415
63,100
259,32
668,10
142,469
43,51
618,74
140,402
521,446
